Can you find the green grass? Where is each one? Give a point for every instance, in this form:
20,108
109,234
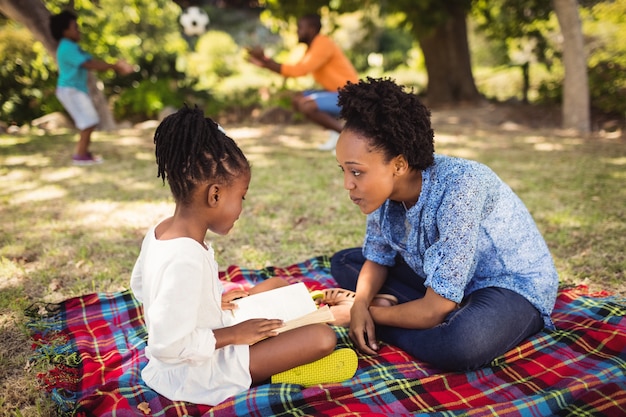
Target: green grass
71,230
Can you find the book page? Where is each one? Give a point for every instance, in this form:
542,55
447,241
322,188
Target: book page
284,303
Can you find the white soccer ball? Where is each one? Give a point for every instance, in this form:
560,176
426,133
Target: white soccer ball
194,21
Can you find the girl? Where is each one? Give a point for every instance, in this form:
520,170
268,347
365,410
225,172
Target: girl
445,236
195,352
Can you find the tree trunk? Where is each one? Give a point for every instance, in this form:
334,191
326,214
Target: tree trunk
448,63
35,16
576,108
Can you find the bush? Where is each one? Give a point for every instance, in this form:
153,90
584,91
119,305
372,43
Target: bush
607,86
26,86
148,97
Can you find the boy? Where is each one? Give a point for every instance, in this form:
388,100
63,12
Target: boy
74,65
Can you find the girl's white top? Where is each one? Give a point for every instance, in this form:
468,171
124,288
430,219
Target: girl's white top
177,281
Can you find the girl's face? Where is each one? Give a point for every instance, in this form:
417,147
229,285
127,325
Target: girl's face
229,205
369,179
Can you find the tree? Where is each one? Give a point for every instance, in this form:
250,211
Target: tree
441,30
523,19
575,108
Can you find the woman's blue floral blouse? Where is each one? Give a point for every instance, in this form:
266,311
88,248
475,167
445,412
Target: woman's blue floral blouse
467,231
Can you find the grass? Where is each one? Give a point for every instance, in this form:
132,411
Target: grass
68,230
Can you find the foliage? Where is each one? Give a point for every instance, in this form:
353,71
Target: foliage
26,85
605,26
379,38
148,97
528,31
216,57
523,27
418,15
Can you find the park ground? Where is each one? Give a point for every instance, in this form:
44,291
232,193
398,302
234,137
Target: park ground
69,230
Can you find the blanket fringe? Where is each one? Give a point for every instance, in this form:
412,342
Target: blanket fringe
54,351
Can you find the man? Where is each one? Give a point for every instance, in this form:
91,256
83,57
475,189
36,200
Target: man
330,68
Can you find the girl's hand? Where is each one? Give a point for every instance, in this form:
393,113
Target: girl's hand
228,297
362,329
254,330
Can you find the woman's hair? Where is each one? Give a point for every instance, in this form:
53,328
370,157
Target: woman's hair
191,149
390,118
60,22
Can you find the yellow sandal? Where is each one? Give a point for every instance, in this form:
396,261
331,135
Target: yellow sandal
339,366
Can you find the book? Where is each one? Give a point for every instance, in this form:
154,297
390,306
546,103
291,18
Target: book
292,304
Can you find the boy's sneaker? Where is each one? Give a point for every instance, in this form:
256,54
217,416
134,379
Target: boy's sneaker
88,159
330,144
339,366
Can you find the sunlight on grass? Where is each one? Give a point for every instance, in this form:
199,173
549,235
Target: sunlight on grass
44,193
107,216
27,160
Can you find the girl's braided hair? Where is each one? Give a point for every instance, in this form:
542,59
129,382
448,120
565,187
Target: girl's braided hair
393,120
191,149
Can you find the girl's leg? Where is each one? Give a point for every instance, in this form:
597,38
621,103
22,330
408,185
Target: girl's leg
402,281
489,323
290,349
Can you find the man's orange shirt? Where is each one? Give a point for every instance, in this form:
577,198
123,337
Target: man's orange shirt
326,62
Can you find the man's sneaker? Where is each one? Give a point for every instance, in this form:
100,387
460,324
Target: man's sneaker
330,144
339,366
88,159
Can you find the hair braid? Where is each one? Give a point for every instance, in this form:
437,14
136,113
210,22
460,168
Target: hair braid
393,120
191,149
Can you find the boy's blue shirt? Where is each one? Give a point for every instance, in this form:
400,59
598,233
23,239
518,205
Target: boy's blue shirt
70,58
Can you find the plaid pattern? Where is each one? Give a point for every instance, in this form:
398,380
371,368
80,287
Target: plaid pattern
95,342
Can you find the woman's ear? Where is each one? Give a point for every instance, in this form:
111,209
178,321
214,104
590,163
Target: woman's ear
213,196
400,165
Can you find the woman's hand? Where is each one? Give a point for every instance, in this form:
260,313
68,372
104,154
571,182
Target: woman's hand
362,328
228,297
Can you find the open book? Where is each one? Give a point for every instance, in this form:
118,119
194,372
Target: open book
292,304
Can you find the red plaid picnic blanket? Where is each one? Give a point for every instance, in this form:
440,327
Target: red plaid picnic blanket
95,343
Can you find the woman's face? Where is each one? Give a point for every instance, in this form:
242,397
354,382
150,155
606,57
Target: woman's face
367,176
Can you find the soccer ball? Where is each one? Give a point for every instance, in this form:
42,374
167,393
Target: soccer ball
194,21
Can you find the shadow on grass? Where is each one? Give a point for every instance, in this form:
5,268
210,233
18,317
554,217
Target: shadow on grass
70,230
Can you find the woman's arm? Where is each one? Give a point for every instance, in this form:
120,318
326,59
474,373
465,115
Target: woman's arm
422,313
362,328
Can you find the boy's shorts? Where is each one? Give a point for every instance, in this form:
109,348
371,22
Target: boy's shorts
79,105
326,100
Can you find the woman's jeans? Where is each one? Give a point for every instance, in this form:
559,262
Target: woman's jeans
489,322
